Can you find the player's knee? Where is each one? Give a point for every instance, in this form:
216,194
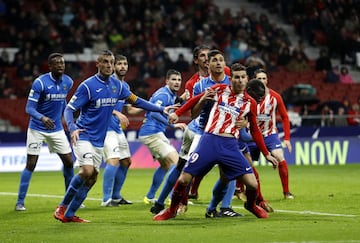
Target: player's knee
125,162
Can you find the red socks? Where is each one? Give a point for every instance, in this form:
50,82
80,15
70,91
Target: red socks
177,196
284,176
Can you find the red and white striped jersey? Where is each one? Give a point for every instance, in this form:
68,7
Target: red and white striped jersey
227,109
266,114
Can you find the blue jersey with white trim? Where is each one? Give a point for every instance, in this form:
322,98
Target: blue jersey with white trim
96,99
198,124
115,122
50,96
162,97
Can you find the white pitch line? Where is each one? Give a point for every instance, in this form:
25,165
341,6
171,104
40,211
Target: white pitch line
239,207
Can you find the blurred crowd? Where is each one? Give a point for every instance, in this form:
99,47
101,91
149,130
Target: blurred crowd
141,30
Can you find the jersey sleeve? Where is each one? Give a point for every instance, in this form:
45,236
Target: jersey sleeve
188,105
81,97
284,116
36,89
254,129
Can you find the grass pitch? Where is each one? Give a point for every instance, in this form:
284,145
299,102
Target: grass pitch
325,209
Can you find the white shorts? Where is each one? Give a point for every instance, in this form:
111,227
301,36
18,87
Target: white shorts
158,144
87,154
194,143
116,146
57,142
186,143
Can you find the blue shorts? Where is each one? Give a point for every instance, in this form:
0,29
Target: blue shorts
272,142
213,149
243,147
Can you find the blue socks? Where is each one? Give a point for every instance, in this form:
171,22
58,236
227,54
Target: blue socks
120,177
77,201
24,185
158,177
219,191
68,173
226,202
170,181
73,188
108,181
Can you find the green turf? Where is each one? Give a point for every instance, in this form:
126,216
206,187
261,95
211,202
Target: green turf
326,209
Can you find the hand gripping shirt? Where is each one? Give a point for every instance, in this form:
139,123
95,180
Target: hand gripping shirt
197,125
50,97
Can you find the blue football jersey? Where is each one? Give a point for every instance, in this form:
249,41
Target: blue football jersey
198,124
50,96
115,122
96,100
162,97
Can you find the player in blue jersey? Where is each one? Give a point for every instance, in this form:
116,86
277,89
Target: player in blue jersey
116,147
152,132
95,98
45,105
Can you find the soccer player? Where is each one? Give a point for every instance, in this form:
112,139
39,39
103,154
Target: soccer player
218,144
116,147
95,98
266,118
216,67
201,62
152,132
45,105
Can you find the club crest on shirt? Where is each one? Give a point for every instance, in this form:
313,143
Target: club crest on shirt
64,87
113,89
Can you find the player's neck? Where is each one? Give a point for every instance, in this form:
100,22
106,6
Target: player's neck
217,77
203,72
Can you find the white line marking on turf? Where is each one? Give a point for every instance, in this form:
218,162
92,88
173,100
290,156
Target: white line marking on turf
276,210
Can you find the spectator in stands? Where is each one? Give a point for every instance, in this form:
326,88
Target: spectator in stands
294,116
354,115
327,116
340,119
4,58
233,53
25,72
297,63
345,76
181,64
333,75
284,56
6,90
323,62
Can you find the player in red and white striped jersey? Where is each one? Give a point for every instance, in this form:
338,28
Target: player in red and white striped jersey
218,145
268,107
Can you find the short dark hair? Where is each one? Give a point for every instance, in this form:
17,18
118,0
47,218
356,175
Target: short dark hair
171,72
256,89
53,55
237,67
213,53
120,58
198,49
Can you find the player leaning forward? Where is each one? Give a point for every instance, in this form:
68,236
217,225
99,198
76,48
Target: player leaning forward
219,143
